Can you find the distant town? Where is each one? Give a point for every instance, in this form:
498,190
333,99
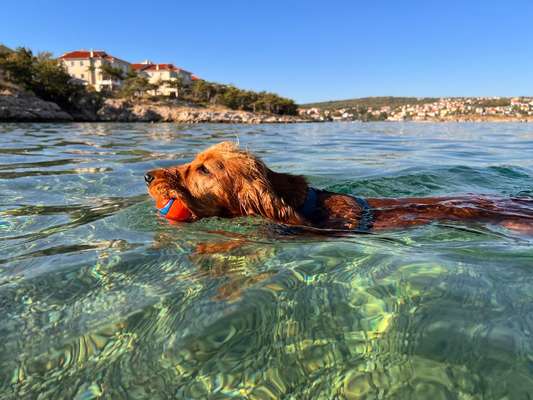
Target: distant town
441,109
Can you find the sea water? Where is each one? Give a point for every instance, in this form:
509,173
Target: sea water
102,298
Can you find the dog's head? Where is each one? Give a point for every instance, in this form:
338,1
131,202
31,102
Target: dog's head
226,181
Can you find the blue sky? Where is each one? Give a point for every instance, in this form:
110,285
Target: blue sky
306,50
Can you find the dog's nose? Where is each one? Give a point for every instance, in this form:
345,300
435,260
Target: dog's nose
148,178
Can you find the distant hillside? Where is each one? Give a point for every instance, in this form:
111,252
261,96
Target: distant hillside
366,102
4,49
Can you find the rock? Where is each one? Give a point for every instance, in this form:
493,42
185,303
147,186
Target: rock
121,110
18,106
143,111
86,109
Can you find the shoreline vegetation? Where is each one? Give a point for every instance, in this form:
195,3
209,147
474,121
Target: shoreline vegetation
38,88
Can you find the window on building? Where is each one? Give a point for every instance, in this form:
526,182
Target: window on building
81,63
82,76
72,63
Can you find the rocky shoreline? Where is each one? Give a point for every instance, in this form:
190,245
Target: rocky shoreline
127,111
18,106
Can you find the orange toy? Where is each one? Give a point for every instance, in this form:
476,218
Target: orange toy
173,209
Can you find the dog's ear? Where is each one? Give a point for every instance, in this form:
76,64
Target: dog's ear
291,188
271,195
257,197
256,190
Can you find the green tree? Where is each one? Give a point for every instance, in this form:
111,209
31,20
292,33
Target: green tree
45,77
52,82
110,72
4,49
175,83
202,91
136,86
238,99
19,67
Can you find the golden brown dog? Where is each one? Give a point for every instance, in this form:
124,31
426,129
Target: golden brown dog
226,181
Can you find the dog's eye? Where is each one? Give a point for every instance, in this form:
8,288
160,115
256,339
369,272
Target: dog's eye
203,170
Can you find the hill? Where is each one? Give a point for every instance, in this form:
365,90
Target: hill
5,49
366,102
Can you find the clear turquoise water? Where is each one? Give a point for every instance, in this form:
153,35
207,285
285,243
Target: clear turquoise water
100,297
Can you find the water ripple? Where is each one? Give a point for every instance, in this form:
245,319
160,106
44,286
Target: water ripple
101,298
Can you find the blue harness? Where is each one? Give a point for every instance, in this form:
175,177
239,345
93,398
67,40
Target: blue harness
365,222
367,216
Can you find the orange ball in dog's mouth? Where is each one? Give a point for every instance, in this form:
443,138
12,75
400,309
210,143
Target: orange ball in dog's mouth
173,209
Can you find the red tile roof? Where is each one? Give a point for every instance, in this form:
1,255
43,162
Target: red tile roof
83,54
164,67
153,67
77,54
138,67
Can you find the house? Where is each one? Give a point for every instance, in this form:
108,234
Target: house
86,67
160,73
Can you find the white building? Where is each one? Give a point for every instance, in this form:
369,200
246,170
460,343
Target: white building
161,73
86,67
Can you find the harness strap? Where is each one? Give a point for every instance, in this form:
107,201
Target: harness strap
307,209
367,216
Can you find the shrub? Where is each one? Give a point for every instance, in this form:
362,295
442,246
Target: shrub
46,78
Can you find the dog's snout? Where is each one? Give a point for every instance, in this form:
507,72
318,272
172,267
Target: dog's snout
148,178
